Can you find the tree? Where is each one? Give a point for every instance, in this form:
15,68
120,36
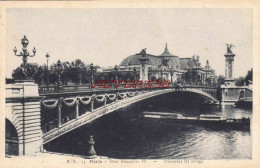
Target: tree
240,81
220,80
32,69
219,93
249,76
74,71
245,80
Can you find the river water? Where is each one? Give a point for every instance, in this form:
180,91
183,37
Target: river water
124,135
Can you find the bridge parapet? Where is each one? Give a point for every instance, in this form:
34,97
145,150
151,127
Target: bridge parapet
83,90
232,94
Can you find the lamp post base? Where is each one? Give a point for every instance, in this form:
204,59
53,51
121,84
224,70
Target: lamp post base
26,88
91,157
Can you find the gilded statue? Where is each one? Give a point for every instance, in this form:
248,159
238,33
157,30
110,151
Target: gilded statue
229,47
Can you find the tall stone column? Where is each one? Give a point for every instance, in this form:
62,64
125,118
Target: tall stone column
229,80
229,90
144,70
144,66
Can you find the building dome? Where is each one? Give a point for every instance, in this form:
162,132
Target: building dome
134,60
153,60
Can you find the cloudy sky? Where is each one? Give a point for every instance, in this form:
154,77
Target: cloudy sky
106,36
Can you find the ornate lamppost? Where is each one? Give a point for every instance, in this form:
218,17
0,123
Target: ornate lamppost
135,73
80,79
25,54
191,76
171,72
80,66
92,69
41,75
116,74
91,153
47,58
197,71
60,69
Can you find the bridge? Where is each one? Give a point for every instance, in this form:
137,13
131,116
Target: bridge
117,101
31,128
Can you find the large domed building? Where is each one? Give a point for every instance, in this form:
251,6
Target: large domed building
167,66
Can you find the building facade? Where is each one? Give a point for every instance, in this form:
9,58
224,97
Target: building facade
168,67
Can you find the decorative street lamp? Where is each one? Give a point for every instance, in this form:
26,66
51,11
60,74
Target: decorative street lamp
25,54
80,79
80,66
41,73
60,69
92,68
197,72
116,74
191,76
135,74
171,72
47,58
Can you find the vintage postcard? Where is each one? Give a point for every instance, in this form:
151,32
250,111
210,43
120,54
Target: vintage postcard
133,84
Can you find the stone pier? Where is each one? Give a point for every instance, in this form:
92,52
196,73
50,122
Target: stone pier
230,92
23,118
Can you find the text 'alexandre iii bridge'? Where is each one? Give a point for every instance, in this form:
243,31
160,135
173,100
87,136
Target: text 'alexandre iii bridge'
36,115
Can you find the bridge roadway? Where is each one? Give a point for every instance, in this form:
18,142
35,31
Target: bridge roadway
120,100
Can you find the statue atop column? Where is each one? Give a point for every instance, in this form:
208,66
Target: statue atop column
143,52
229,47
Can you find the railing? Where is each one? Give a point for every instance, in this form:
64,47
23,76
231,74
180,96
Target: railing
87,88
63,88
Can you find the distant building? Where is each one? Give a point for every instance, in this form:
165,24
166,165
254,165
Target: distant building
169,67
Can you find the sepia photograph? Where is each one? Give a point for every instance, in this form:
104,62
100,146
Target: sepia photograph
129,85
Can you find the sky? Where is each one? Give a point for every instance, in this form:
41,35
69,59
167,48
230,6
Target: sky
105,37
